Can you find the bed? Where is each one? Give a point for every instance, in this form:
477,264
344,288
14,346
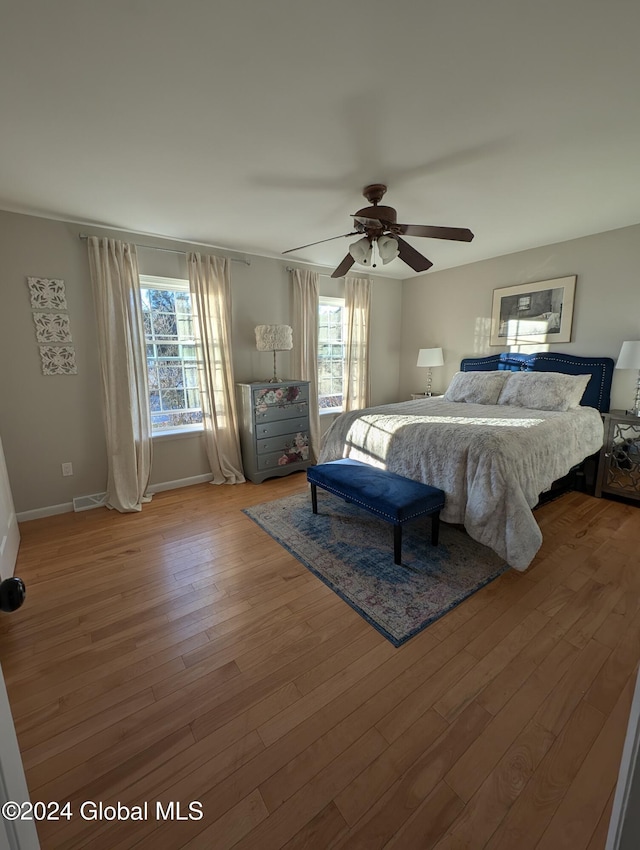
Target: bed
491,453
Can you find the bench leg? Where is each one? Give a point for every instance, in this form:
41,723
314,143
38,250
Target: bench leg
435,528
314,498
397,544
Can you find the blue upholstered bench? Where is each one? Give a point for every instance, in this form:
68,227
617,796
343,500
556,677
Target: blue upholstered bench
392,497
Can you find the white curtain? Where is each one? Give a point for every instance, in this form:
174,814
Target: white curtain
305,346
356,388
210,285
123,367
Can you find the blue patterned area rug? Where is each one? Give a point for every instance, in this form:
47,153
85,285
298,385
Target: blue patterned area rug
352,552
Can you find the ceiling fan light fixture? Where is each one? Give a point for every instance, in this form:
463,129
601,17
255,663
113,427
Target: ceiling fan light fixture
380,226
388,248
361,251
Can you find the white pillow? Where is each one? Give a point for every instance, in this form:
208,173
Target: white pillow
476,387
544,390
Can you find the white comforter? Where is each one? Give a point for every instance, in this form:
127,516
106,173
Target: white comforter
492,461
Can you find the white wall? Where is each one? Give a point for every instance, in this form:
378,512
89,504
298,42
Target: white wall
48,420
452,308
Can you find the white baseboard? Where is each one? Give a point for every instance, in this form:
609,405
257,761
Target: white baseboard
180,482
50,510
67,507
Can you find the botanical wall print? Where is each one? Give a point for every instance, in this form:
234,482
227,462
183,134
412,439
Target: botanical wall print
47,294
58,360
52,327
533,313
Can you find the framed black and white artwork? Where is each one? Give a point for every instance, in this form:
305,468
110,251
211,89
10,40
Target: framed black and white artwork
533,313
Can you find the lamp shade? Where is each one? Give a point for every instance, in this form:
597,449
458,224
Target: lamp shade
274,338
430,357
361,251
629,357
387,248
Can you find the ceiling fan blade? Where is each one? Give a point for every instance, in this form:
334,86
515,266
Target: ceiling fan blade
344,266
320,241
458,234
412,257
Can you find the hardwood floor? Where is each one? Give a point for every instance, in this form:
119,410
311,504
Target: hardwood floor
180,654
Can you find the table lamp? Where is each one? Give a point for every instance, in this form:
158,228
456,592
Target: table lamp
274,338
429,357
629,358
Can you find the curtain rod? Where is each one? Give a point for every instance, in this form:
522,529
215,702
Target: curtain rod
174,250
293,269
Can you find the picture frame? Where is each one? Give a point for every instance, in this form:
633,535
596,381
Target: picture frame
533,313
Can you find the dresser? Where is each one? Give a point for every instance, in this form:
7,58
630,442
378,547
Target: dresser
619,466
274,428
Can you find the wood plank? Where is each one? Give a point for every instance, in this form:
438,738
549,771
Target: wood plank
107,787
577,816
612,677
426,693
426,827
306,803
511,678
228,830
321,831
530,815
601,832
559,705
325,693
480,758
354,801
470,685
405,796
487,808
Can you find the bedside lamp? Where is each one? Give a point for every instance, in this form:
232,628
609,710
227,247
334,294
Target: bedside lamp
429,357
629,358
274,338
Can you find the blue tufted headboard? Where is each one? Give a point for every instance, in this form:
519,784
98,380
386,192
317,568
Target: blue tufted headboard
597,393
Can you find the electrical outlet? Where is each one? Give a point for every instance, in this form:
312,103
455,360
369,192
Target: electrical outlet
67,469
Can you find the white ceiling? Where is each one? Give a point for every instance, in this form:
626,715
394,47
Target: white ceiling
253,125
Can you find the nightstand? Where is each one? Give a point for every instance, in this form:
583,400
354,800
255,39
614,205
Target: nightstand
619,465
414,396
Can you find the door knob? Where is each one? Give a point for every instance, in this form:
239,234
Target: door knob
12,594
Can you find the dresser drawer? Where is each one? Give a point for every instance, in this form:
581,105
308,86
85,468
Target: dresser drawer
281,394
296,442
282,402
281,426
272,414
278,460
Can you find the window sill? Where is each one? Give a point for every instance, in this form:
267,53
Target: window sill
336,411
177,434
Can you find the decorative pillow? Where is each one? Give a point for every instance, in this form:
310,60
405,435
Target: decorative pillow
477,387
544,390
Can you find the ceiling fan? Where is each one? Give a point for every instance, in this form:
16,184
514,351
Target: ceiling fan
382,235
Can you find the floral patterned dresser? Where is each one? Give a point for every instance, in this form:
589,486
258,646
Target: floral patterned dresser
274,428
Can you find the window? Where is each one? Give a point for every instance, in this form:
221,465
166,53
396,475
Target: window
172,360
524,302
331,342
